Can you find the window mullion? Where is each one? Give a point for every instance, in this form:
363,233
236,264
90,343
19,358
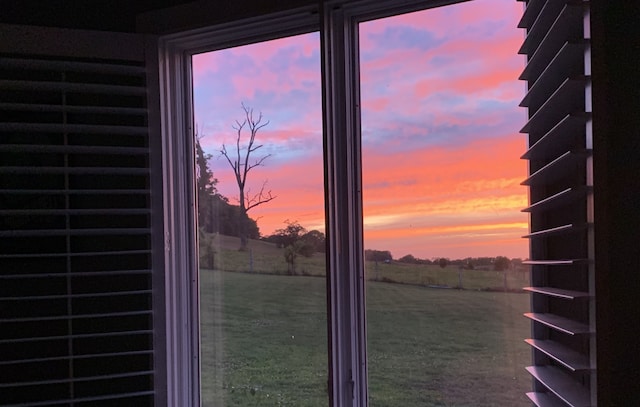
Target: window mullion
348,381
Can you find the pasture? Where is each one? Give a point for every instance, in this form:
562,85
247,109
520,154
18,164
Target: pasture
264,340
266,258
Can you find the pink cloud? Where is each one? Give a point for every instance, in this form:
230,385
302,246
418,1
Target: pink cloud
261,77
450,20
440,201
377,104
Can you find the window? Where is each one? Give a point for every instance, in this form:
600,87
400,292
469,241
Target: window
343,187
263,325
442,207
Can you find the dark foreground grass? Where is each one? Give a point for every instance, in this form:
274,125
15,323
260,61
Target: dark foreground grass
263,340
264,343
443,347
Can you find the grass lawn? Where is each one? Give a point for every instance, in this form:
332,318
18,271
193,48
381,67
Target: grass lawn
264,343
442,347
266,258
451,276
262,257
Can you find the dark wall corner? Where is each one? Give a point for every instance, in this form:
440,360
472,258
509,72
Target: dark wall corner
616,128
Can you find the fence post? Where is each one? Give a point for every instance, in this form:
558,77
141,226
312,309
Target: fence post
505,279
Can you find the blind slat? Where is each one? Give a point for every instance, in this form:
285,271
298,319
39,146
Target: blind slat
561,198
561,385
540,26
75,66
555,231
569,358
75,254
544,400
77,379
565,100
558,292
78,336
550,262
74,357
530,12
73,149
558,139
76,232
561,324
71,296
44,86
557,168
99,211
75,191
73,128
84,399
563,29
558,70
74,274
45,108
74,170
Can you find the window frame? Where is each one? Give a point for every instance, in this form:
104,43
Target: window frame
337,22
179,199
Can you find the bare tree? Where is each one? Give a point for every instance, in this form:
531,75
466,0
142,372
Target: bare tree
241,165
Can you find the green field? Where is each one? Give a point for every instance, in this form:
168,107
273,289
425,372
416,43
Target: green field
266,258
264,343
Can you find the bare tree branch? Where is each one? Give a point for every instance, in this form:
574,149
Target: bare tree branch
241,164
259,198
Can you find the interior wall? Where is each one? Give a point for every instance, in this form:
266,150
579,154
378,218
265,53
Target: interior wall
121,15
616,129
114,15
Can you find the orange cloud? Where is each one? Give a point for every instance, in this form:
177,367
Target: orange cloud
454,199
469,193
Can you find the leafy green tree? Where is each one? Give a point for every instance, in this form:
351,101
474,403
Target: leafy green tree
443,262
410,259
501,263
316,240
288,235
290,254
296,241
206,250
378,255
205,185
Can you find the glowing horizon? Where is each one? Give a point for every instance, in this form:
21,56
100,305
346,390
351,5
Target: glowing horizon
440,119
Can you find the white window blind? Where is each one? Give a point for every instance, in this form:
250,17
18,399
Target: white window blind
75,223
561,202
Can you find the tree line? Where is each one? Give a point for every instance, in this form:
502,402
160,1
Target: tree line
498,263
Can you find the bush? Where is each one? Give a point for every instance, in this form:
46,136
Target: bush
409,259
378,255
501,263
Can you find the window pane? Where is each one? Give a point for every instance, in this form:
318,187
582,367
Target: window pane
442,200
262,302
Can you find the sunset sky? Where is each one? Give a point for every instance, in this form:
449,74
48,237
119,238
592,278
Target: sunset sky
440,119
